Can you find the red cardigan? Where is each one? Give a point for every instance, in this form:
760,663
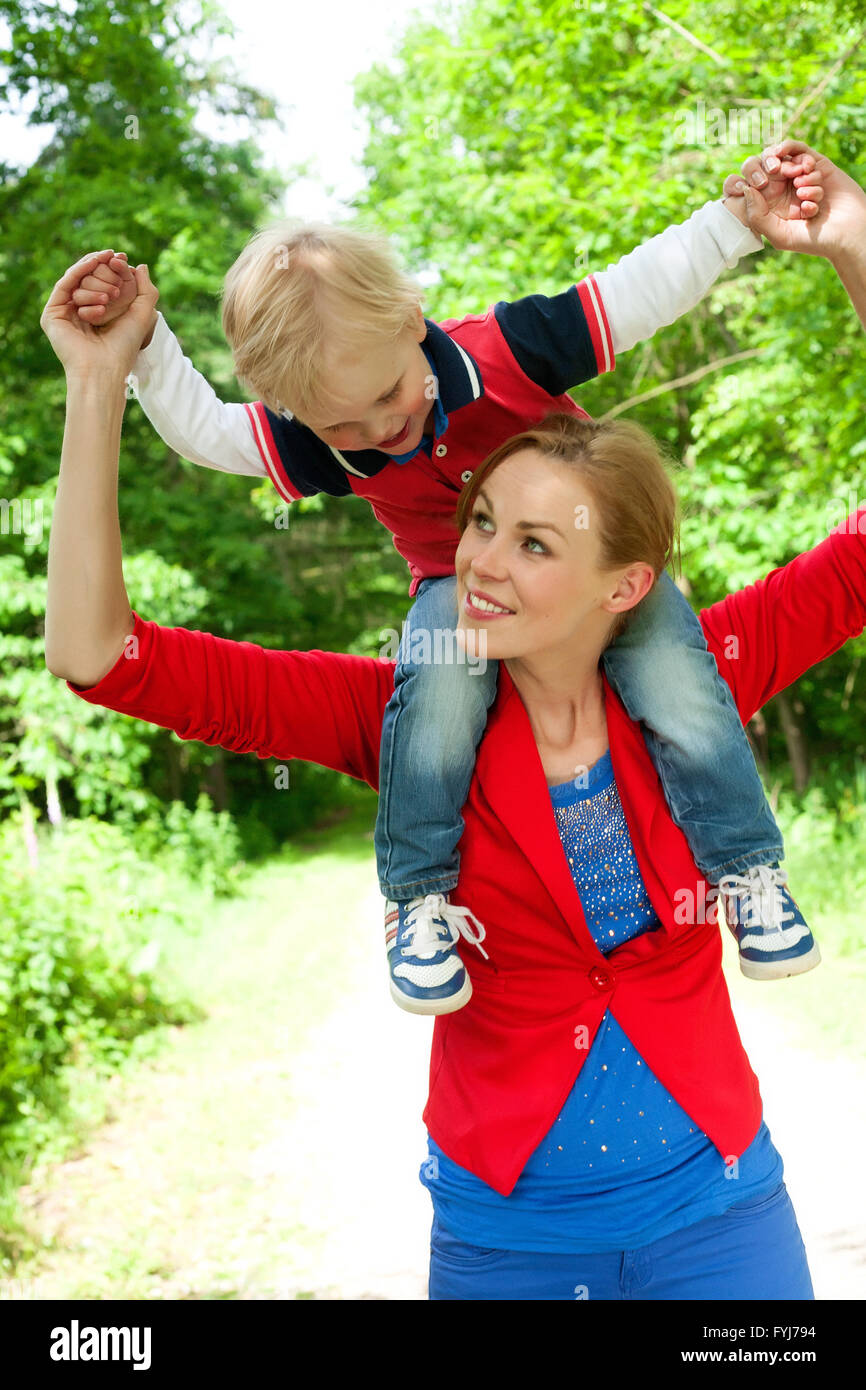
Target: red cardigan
502,1067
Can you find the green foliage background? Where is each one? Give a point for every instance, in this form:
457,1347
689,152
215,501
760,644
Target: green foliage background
513,148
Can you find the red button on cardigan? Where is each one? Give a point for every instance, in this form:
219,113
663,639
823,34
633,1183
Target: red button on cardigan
602,979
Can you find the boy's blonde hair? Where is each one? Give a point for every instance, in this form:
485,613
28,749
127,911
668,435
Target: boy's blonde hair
296,284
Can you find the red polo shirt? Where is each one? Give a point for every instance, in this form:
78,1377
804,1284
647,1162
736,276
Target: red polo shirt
496,374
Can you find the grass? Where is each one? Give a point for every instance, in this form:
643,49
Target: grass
266,967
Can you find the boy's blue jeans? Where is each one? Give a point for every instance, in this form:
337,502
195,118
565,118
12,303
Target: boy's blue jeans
666,679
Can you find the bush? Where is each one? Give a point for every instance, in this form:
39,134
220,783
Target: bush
77,960
825,855
202,844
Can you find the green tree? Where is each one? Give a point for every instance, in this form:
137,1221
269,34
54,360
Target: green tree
127,166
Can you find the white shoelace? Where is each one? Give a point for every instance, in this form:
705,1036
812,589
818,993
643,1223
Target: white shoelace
764,904
425,937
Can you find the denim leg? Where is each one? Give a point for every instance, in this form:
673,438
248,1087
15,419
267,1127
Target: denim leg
430,734
667,679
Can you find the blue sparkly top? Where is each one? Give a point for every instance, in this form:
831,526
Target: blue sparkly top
623,1164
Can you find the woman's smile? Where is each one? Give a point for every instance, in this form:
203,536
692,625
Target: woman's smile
481,606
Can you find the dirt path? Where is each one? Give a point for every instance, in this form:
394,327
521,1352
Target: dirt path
293,1174
815,1109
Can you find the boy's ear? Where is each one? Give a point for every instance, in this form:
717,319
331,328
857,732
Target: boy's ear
419,327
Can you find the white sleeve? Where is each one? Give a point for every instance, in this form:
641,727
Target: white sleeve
185,410
666,277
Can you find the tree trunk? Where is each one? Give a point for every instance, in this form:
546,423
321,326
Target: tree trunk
757,731
215,783
798,752
52,800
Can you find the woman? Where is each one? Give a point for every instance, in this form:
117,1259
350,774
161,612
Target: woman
595,1126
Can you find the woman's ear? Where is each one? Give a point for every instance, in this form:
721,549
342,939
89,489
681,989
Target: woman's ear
633,585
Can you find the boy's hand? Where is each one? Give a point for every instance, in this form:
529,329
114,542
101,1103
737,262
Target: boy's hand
107,292
789,177
831,217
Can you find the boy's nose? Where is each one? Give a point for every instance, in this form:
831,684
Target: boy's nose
382,427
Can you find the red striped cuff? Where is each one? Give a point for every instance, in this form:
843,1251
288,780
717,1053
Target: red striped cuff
596,319
270,453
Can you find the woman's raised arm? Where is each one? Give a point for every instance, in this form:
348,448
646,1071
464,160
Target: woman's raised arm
317,707
87,615
766,636
770,633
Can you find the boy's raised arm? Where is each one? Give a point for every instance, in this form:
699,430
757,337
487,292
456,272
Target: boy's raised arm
186,412
654,285
663,279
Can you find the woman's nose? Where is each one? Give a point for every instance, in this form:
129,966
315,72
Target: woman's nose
490,561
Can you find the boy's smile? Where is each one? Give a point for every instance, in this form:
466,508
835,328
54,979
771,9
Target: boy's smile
383,399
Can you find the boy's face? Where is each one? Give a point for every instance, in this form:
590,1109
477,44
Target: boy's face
380,399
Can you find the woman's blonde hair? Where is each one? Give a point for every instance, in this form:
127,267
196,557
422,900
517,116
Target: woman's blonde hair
296,285
626,471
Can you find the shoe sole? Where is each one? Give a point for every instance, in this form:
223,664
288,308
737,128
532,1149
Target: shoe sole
782,969
432,1006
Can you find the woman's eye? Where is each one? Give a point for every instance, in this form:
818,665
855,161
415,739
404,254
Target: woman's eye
482,522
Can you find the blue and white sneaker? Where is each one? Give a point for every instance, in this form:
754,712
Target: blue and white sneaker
427,974
772,935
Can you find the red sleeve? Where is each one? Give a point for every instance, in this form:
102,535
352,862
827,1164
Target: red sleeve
767,635
321,707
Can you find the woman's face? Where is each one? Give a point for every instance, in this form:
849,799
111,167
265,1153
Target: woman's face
532,549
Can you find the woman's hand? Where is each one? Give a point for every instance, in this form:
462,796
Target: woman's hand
837,230
85,349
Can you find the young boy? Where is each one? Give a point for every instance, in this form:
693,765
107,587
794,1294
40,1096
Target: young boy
360,394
